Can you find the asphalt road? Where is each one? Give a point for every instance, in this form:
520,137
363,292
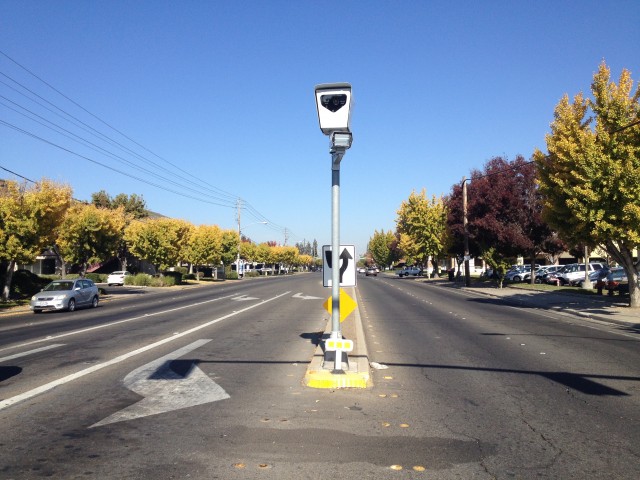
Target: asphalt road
207,383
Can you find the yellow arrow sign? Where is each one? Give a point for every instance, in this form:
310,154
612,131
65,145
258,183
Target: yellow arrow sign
347,305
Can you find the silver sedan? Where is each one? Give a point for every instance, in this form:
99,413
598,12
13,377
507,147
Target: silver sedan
65,295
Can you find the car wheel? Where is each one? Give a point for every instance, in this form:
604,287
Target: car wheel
537,280
94,302
72,305
516,278
37,311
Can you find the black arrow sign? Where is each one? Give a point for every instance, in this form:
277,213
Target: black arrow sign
345,256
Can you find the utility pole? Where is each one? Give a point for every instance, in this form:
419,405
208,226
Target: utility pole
467,272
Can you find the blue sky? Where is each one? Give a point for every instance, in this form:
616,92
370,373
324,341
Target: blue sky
216,99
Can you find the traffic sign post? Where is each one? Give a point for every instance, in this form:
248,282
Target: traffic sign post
333,103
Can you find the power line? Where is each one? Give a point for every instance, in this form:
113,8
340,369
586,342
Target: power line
102,121
33,135
216,193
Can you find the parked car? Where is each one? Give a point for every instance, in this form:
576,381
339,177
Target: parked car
406,271
576,271
65,295
516,274
548,270
117,278
539,273
617,281
372,271
362,270
594,277
553,277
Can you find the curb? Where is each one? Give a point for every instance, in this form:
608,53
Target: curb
358,375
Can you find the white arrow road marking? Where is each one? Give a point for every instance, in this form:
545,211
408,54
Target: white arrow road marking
243,298
305,297
164,390
6,403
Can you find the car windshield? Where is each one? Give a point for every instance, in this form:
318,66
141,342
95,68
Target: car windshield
57,286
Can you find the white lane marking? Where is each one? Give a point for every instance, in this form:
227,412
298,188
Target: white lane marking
97,327
87,371
164,390
30,352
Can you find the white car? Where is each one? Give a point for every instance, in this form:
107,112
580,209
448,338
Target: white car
66,295
576,271
117,278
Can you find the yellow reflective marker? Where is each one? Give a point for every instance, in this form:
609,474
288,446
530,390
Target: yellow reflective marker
347,305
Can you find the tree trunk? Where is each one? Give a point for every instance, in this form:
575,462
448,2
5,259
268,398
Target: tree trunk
634,290
6,289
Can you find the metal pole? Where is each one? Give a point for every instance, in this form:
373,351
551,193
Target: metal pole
239,241
467,273
335,250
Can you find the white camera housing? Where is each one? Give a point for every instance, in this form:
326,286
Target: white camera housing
333,101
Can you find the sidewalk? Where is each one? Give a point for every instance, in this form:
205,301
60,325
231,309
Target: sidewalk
599,307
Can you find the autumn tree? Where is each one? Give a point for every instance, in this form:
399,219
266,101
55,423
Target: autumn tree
29,220
134,207
504,213
382,248
305,261
421,224
204,246
590,178
89,234
230,241
284,256
161,241
263,253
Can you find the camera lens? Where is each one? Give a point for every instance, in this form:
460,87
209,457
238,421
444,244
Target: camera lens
333,102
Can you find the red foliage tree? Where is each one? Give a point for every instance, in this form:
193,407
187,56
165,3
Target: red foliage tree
503,210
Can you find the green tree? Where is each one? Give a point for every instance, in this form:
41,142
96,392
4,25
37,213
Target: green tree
421,224
29,219
381,248
89,234
134,205
590,178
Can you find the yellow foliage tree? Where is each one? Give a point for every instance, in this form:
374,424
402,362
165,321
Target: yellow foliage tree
204,246
590,179
29,220
161,241
89,234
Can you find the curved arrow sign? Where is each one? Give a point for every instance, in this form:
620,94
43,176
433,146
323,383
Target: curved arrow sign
168,384
347,265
